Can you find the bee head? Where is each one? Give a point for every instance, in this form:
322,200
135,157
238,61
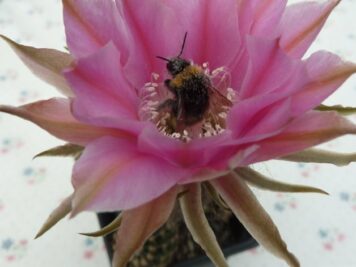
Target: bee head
176,65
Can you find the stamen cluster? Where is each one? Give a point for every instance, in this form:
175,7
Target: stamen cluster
154,93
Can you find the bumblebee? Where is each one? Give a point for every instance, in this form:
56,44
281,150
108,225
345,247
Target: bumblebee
191,88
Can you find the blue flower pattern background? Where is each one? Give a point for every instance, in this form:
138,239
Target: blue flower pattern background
319,229
13,250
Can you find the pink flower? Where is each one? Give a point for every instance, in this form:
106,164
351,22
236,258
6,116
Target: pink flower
138,154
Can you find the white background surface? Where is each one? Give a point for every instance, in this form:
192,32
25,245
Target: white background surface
319,230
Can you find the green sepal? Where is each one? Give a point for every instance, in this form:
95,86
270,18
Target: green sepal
67,150
346,111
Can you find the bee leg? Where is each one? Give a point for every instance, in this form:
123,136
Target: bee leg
168,105
179,108
172,89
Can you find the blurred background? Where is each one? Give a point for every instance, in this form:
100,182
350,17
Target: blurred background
319,230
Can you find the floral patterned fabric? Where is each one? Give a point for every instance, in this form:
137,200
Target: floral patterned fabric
319,229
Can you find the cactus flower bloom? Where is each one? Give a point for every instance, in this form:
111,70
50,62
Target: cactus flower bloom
138,154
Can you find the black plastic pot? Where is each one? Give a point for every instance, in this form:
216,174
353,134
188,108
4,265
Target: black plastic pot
242,241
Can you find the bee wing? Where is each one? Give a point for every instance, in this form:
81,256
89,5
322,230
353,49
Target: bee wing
219,105
218,98
221,79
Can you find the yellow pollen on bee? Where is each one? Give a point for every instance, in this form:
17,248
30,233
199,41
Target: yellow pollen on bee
186,74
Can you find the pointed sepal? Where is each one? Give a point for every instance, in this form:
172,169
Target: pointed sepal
322,156
345,111
58,214
263,182
251,214
198,225
47,64
108,229
67,150
139,224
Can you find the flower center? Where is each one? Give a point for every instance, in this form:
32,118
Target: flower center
192,104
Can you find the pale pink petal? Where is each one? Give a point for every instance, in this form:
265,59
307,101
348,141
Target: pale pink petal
47,64
103,96
260,17
309,130
327,72
55,117
301,23
113,167
251,214
139,224
91,24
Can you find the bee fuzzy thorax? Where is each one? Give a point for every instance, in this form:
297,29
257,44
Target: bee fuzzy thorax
186,74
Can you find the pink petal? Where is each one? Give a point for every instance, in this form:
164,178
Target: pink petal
270,69
112,175
213,32
264,67
309,130
260,117
327,73
155,31
271,80
301,23
305,86
207,158
199,19
91,24
239,69
139,224
194,155
255,18
260,17
55,117
47,64
103,96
